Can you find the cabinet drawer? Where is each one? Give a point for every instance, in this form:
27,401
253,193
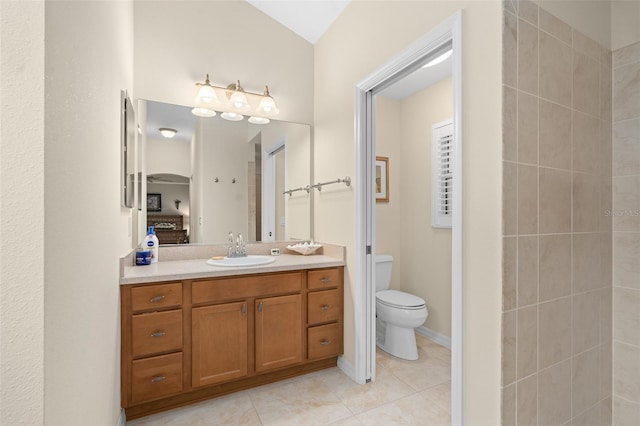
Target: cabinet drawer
156,296
323,278
324,341
238,288
323,306
156,377
156,332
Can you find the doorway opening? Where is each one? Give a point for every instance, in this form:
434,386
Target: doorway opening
446,36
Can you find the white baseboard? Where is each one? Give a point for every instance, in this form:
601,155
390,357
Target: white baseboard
122,420
347,368
439,338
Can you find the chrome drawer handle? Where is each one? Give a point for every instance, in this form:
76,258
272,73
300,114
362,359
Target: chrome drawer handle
325,307
325,342
325,280
158,379
156,299
158,333
260,307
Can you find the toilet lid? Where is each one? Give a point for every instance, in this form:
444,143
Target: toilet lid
400,299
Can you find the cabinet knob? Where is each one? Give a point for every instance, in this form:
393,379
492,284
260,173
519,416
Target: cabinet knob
325,280
157,379
325,342
325,307
156,299
158,333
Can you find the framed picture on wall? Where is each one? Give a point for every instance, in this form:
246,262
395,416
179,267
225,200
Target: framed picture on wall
154,202
382,179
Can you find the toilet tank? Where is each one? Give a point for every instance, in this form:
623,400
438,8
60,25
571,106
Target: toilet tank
383,271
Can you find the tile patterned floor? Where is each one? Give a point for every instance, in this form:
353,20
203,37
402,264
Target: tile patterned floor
404,393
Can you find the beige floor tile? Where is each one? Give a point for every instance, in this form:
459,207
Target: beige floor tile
234,409
359,398
411,410
351,421
308,401
404,392
440,395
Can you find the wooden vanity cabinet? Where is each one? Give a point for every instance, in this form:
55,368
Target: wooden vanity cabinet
324,313
219,341
187,341
278,332
152,342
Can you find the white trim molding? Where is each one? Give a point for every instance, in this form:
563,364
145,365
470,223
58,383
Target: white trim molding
434,336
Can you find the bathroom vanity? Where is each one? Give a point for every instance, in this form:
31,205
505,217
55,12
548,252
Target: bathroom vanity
191,331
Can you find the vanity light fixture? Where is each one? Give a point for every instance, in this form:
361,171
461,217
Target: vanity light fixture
440,58
167,132
234,102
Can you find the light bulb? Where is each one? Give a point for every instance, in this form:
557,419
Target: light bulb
206,94
268,106
238,101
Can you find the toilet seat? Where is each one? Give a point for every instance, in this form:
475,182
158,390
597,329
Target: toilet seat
399,299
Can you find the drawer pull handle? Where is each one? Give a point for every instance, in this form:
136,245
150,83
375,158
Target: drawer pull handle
260,307
325,307
325,342
158,333
156,299
325,280
158,379
244,308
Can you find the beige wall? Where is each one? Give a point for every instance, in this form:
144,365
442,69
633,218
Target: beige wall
426,260
89,59
626,227
70,377
391,27
178,42
556,326
422,254
22,239
388,222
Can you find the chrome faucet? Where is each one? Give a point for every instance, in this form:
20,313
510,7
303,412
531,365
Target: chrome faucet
236,248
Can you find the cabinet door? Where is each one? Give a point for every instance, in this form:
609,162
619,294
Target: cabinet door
278,332
219,343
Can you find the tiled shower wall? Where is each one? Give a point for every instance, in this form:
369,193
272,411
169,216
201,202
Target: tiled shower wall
557,241
626,241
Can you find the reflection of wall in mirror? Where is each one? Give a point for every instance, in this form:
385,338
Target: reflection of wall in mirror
224,156
297,174
170,157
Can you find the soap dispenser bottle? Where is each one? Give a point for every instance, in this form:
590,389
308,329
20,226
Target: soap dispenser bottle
151,243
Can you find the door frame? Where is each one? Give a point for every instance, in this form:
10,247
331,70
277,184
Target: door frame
450,30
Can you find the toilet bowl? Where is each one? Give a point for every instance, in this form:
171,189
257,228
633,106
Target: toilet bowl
397,314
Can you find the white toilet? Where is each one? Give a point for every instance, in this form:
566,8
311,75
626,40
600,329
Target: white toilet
397,314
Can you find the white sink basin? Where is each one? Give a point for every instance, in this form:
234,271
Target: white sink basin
252,260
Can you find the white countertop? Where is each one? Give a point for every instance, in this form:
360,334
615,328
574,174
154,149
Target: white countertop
175,270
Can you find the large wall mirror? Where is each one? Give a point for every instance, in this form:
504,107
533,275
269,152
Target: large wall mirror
214,176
